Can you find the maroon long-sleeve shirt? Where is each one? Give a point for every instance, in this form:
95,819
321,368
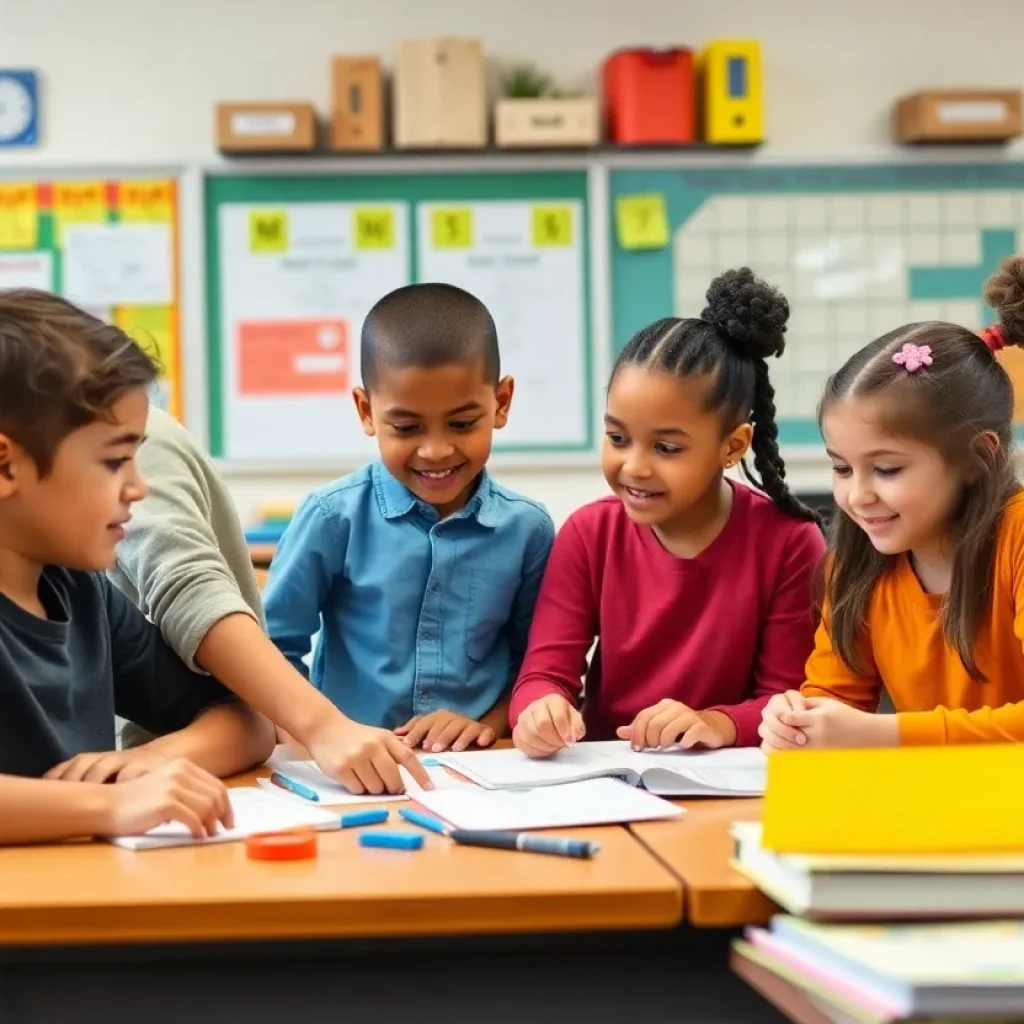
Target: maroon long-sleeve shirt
724,630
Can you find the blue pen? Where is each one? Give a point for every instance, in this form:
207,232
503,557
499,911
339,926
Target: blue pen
423,820
528,843
294,787
358,818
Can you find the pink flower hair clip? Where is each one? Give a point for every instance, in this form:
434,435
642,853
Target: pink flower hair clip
912,357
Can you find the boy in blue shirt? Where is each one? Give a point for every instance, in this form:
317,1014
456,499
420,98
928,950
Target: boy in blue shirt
419,570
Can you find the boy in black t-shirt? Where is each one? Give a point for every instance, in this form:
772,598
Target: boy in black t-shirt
73,650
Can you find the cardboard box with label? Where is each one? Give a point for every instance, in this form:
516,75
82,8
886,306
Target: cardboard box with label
357,112
958,115
266,127
440,94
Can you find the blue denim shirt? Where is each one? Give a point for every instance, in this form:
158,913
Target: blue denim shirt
415,613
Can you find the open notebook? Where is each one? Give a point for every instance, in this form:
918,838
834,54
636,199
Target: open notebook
255,811
733,772
590,802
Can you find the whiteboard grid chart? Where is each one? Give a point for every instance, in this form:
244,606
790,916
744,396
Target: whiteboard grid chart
858,251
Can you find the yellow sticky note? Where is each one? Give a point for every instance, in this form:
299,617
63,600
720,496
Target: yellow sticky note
146,201
552,226
78,202
268,231
152,328
374,228
452,228
19,216
642,221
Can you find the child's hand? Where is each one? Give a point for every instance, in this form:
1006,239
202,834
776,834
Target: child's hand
547,725
108,766
831,723
177,791
364,759
443,729
671,722
777,730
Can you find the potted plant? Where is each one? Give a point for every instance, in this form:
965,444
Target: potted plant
533,114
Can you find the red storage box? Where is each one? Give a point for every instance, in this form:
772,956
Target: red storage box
650,97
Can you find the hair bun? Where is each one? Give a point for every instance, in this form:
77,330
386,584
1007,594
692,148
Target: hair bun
1004,292
751,313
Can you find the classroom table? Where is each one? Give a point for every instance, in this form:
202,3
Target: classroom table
262,554
88,930
698,848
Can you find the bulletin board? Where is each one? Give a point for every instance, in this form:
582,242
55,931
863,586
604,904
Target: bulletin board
858,250
294,264
111,246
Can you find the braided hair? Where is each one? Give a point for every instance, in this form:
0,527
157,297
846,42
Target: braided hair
743,324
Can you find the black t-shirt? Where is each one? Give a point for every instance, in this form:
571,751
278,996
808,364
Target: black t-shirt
63,678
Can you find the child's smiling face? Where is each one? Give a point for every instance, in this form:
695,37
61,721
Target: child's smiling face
75,514
663,451
434,427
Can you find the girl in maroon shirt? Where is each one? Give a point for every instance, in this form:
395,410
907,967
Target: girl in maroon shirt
698,590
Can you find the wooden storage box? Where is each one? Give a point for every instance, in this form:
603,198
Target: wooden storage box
536,123
958,115
357,103
266,127
440,94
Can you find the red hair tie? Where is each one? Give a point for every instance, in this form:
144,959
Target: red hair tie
994,338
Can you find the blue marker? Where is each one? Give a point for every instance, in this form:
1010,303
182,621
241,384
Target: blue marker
392,840
528,843
294,787
423,820
358,818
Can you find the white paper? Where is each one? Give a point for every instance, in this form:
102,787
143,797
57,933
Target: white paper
594,802
26,270
334,794
118,264
255,811
537,298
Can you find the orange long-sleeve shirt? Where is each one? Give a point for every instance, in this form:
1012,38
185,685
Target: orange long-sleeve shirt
935,699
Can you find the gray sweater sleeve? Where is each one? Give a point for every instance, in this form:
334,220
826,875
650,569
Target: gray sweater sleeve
184,561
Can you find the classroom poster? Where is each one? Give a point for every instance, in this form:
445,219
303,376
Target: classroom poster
526,262
110,246
296,282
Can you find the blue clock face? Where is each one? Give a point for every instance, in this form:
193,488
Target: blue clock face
18,108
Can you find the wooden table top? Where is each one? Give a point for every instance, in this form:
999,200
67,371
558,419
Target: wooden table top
698,848
262,554
98,893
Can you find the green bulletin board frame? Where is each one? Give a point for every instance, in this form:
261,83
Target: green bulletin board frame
457,187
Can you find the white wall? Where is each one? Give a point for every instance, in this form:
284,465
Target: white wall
134,81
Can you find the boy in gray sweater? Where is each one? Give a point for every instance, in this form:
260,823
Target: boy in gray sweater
185,563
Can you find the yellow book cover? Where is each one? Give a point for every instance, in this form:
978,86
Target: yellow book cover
947,799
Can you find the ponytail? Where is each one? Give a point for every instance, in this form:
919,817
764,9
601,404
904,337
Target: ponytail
771,470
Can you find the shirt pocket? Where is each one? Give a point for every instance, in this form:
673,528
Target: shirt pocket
491,595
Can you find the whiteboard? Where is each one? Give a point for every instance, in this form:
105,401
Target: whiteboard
297,280
525,261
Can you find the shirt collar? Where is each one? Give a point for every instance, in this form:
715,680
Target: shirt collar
395,500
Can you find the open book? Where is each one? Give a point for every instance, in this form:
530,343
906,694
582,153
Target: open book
738,771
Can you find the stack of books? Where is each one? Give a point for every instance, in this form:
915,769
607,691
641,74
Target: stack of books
920,919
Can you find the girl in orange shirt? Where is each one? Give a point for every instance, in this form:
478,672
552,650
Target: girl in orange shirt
924,594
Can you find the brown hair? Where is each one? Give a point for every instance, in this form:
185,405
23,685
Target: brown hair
963,395
60,369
